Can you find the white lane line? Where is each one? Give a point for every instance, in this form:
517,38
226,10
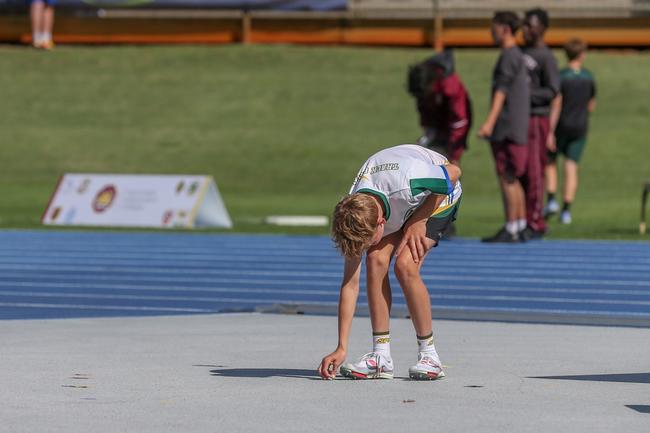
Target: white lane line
131,287
236,250
24,294
309,260
544,311
334,291
309,249
337,275
490,298
100,307
557,273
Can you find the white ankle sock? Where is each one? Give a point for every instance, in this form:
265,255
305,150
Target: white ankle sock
426,346
381,343
521,223
512,227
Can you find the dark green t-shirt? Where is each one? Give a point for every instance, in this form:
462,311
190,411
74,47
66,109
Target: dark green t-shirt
577,88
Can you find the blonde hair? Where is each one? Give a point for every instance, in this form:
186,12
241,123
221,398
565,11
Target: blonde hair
354,223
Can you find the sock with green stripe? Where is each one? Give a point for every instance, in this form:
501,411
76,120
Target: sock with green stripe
381,343
426,346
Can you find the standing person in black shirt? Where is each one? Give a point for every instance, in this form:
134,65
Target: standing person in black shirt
578,99
544,87
506,126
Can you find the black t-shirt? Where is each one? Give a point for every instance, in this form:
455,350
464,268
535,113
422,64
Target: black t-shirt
544,79
511,77
578,88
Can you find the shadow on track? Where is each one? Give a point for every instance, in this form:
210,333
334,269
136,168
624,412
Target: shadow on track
266,373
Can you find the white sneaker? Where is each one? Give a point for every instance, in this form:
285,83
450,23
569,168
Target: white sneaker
427,368
565,217
551,208
370,366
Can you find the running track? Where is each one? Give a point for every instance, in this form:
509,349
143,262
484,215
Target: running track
49,274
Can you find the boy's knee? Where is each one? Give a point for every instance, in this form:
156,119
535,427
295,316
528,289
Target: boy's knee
405,268
377,260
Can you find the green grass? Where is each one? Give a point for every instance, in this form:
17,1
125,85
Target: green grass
282,129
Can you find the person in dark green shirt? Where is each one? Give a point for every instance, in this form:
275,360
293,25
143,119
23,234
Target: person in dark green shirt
578,99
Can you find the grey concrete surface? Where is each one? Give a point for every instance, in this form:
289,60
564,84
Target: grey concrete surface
256,373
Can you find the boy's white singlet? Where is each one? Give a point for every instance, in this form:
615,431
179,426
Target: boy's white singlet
403,177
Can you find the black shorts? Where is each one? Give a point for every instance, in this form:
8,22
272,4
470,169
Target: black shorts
437,225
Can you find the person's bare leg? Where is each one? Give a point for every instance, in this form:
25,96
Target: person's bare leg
570,180
415,292
551,177
378,286
48,19
515,200
36,18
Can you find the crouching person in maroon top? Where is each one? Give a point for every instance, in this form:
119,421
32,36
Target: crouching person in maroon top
443,105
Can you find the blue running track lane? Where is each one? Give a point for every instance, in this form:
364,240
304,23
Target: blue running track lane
50,274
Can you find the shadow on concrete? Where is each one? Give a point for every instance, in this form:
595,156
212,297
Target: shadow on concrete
624,378
266,373
642,408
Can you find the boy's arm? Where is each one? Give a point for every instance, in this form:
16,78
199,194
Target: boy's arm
497,105
415,229
553,118
347,304
592,105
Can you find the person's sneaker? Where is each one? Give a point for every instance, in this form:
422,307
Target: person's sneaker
530,233
370,366
565,217
47,45
551,208
427,368
503,236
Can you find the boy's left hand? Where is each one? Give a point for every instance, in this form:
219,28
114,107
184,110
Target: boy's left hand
415,236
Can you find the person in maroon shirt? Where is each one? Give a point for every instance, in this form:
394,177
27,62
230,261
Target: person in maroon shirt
544,88
444,107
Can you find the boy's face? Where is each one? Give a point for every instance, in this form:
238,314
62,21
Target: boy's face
498,33
533,29
379,232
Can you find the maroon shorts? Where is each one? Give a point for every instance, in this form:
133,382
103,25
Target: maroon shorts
511,159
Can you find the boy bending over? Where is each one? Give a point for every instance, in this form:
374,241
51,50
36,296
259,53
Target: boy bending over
399,205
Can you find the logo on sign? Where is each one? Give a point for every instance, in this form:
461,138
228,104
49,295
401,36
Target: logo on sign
104,198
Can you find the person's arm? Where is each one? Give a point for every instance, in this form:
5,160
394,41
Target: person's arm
553,118
495,110
592,102
415,229
546,93
347,304
592,105
459,114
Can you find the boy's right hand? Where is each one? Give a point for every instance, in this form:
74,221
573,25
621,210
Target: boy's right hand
331,363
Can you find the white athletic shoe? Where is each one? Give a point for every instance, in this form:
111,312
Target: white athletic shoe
370,366
565,217
551,208
427,368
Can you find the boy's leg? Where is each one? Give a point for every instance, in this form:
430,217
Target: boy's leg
510,160
570,180
48,19
415,292
428,366
377,364
378,286
36,16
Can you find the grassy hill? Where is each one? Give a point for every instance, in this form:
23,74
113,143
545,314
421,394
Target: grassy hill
282,129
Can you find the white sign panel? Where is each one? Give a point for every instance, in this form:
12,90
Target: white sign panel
136,201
